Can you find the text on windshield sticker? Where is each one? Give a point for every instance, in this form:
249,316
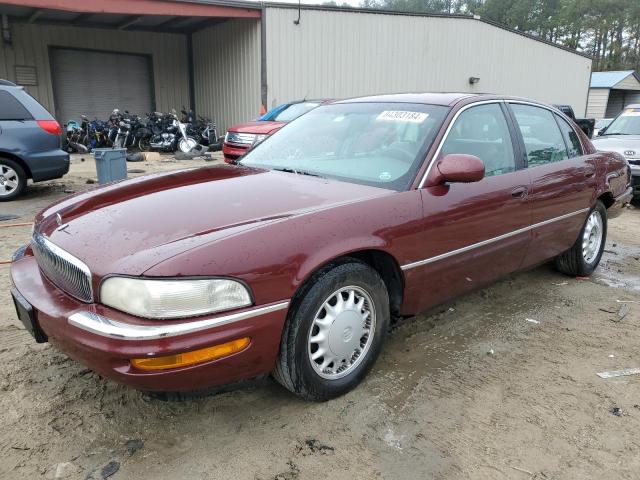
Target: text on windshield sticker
402,116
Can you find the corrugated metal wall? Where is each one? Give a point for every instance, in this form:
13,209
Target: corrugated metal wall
616,103
31,42
227,71
597,104
342,54
629,83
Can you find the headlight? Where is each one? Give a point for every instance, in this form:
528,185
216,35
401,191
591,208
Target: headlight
259,138
173,298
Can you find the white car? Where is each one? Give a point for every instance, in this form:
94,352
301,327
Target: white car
623,136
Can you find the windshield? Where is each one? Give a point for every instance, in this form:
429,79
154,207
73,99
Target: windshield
293,111
267,117
377,144
627,123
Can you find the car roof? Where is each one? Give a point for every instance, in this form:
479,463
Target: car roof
447,99
441,98
310,100
7,83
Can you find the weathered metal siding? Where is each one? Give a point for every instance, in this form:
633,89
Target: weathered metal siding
597,104
227,71
343,54
31,42
629,83
616,103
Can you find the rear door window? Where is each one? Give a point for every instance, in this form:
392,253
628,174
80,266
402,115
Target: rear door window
574,146
11,108
483,131
543,140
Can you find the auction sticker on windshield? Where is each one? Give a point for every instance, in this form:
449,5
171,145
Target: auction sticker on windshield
403,116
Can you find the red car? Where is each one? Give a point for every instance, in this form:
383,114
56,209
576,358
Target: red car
240,138
357,213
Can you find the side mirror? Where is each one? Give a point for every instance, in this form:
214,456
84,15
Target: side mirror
458,168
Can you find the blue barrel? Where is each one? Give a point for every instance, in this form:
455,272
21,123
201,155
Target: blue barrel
111,164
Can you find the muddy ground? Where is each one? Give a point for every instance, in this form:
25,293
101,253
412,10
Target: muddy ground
499,384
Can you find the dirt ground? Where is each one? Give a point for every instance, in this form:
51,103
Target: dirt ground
500,384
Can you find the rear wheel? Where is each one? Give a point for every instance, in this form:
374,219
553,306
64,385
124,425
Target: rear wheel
334,331
13,179
583,258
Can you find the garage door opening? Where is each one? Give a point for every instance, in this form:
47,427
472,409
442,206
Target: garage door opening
93,83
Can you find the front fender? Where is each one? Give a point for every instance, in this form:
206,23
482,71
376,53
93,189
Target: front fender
275,258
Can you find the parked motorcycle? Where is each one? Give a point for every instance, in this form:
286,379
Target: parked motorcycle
170,136
129,130
96,134
73,140
206,133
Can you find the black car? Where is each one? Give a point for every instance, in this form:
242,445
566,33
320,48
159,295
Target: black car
29,142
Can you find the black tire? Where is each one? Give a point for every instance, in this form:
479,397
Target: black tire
572,262
21,179
293,368
144,144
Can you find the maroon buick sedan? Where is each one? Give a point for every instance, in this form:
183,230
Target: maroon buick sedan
295,261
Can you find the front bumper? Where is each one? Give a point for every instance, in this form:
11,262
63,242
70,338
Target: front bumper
105,339
620,203
232,152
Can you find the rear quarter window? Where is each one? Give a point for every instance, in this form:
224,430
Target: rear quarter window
11,108
574,147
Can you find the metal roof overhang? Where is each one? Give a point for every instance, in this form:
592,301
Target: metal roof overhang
170,16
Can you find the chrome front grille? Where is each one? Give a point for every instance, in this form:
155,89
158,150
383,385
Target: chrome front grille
240,138
63,269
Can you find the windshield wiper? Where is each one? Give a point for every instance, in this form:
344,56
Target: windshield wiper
617,133
297,172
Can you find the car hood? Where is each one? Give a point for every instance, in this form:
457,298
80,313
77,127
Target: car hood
259,128
619,144
130,226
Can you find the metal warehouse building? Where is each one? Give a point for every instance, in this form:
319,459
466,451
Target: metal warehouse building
226,59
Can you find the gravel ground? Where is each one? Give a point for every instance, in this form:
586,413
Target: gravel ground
499,384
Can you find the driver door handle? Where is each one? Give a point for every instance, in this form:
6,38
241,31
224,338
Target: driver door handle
519,192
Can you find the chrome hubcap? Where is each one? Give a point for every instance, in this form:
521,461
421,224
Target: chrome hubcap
592,237
8,180
342,332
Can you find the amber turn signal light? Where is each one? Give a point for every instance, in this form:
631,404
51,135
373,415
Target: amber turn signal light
191,358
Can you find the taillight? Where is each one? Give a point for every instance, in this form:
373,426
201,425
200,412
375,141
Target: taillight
50,126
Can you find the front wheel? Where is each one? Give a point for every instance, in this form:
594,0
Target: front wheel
334,331
185,145
144,144
583,258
